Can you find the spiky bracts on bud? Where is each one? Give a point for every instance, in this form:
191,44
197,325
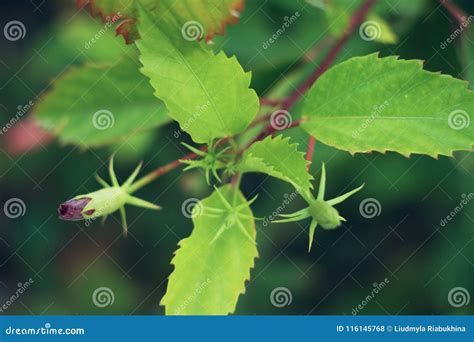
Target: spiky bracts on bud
106,201
321,211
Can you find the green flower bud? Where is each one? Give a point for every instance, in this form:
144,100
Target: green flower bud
104,202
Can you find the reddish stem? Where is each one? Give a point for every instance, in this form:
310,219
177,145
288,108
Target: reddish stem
354,23
455,11
310,150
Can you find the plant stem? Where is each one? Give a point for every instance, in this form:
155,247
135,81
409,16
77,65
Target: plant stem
310,150
354,23
147,179
455,11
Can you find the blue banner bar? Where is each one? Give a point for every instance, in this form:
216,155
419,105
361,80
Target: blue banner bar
237,328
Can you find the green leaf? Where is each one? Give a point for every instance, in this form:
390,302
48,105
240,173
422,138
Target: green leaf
95,105
385,104
278,158
212,265
212,15
207,94
339,13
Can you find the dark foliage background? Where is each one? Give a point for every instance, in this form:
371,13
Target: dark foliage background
406,244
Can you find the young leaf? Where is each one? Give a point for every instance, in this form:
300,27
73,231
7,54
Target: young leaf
94,105
207,94
385,104
212,15
278,158
212,265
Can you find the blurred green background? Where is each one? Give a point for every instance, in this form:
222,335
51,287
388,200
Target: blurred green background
67,261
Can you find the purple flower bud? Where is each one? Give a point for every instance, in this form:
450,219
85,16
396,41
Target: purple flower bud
72,210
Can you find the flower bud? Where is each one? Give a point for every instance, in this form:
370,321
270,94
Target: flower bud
95,204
